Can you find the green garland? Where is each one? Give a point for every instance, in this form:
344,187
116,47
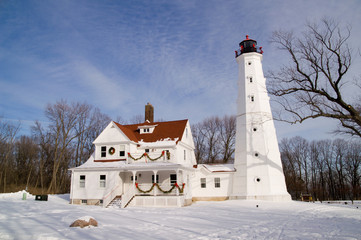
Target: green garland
146,155
164,191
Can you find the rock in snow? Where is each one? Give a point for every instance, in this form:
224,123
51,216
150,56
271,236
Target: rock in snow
84,222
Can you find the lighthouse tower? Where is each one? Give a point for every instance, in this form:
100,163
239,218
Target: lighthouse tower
259,173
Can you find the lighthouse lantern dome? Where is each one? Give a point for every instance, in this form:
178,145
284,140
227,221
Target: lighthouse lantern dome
247,46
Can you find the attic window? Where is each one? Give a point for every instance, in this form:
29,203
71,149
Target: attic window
146,128
121,151
103,151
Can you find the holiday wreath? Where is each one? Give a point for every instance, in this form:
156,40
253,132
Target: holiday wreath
111,151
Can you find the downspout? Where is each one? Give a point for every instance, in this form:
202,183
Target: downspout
71,186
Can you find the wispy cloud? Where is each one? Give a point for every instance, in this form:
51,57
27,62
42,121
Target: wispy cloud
178,55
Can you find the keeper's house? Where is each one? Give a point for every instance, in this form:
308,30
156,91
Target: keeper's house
147,164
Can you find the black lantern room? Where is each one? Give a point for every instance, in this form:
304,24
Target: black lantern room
248,45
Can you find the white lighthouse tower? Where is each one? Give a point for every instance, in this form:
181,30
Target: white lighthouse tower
259,173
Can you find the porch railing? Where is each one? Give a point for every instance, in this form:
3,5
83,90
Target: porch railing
127,197
149,157
111,195
149,189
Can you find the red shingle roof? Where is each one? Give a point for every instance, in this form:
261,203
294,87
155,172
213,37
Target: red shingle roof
163,130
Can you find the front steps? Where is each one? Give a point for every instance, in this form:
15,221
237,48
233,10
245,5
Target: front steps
116,202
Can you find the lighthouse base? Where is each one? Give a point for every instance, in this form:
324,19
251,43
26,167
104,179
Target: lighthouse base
273,198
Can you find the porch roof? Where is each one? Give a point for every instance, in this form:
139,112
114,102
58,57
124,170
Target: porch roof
91,165
219,167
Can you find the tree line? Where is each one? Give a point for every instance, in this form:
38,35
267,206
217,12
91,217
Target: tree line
328,170
40,162
325,169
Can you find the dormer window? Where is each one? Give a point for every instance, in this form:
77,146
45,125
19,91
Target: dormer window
146,129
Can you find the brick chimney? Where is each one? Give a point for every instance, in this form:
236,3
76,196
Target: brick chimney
149,113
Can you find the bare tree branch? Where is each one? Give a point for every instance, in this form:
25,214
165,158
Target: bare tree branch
311,86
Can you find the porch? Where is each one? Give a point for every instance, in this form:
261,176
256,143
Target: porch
162,187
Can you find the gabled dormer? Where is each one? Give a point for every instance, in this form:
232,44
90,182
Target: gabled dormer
113,143
146,129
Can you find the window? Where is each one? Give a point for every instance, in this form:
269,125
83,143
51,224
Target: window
104,151
167,153
217,182
131,178
254,129
186,132
256,154
147,150
252,98
203,183
157,180
173,179
102,181
121,151
249,63
250,79
84,201
82,181
185,155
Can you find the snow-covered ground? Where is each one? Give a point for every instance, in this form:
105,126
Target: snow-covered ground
236,219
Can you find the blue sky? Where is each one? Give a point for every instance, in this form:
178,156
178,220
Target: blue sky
119,55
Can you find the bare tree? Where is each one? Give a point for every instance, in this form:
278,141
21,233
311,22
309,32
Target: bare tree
26,151
137,119
199,142
214,139
313,84
353,169
8,134
292,160
89,125
227,137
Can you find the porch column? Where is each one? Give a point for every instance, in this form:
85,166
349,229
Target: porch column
177,190
155,181
134,175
